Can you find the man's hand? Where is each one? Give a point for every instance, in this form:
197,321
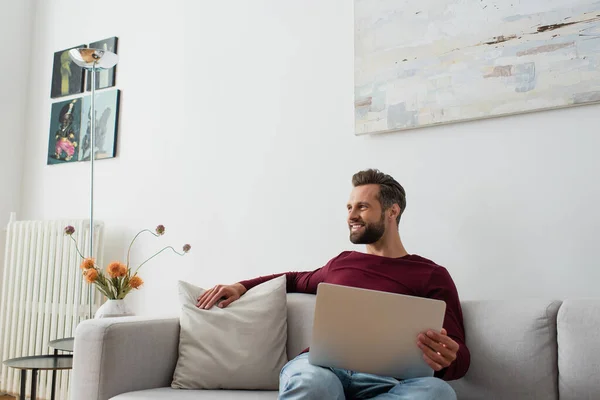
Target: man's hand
439,350
229,294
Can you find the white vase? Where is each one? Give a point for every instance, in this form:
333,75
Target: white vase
113,308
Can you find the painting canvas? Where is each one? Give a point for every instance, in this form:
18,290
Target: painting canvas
67,77
429,62
65,127
104,78
107,117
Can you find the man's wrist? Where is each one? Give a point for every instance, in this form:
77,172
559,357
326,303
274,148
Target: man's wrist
242,289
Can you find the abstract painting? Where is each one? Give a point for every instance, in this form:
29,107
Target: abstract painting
67,77
430,62
107,117
65,126
104,78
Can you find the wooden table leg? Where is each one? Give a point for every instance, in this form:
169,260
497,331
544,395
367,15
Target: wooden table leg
23,379
53,379
34,375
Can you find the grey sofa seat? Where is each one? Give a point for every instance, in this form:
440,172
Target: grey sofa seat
176,394
518,351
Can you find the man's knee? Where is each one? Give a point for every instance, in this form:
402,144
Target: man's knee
439,389
299,379
427,388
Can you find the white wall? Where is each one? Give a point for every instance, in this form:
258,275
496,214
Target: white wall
237,133
15,39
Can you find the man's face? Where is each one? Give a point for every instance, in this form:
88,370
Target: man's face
366,219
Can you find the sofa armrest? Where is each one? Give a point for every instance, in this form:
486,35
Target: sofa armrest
119,355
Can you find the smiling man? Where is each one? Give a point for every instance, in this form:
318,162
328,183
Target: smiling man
376,203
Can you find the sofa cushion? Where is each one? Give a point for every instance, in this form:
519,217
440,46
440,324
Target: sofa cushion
174,394
513,350
242,346
578,349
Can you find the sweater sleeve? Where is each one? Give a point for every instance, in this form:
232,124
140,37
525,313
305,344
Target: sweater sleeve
441,287
297,282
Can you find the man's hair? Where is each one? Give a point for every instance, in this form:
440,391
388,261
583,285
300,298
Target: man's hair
390,191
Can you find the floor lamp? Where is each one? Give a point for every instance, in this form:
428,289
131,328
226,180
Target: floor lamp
93,60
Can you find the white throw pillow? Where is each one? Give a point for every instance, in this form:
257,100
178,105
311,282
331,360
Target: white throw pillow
241,346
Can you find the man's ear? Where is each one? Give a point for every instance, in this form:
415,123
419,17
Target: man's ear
394,211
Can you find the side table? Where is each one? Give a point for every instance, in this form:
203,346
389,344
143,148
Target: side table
36,363
64,344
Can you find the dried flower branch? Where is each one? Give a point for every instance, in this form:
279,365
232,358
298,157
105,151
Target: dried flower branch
118,281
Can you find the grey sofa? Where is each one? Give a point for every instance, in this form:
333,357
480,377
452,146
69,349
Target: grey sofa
520,349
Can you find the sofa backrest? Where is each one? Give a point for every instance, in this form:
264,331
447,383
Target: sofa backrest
301,311
513,346
513,350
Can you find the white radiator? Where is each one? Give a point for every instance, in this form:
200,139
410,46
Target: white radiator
43,295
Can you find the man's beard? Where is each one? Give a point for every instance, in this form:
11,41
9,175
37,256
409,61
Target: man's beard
370,234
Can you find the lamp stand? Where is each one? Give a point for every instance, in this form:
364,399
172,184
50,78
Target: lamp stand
93,60
92,158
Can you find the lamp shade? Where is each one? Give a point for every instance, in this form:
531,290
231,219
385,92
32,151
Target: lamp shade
94,58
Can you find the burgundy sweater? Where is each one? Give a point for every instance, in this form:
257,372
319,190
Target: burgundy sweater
411,275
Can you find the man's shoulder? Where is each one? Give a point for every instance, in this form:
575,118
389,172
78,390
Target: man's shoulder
431,266
342,255
418,258
345,255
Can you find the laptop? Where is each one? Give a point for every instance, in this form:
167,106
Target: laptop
372,332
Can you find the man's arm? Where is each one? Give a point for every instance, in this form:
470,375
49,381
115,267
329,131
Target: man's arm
441,287
297,282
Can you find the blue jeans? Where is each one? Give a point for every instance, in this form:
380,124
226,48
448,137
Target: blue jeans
301,380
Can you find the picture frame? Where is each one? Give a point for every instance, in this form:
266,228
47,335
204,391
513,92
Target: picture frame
104,78
67,77
107,122
69,133
65,128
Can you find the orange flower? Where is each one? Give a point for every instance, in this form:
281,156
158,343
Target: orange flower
135,282
116,269
90,275
87,263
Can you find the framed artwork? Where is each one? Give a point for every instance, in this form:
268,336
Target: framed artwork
107,118
67,77
65,128
106,77
435,62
